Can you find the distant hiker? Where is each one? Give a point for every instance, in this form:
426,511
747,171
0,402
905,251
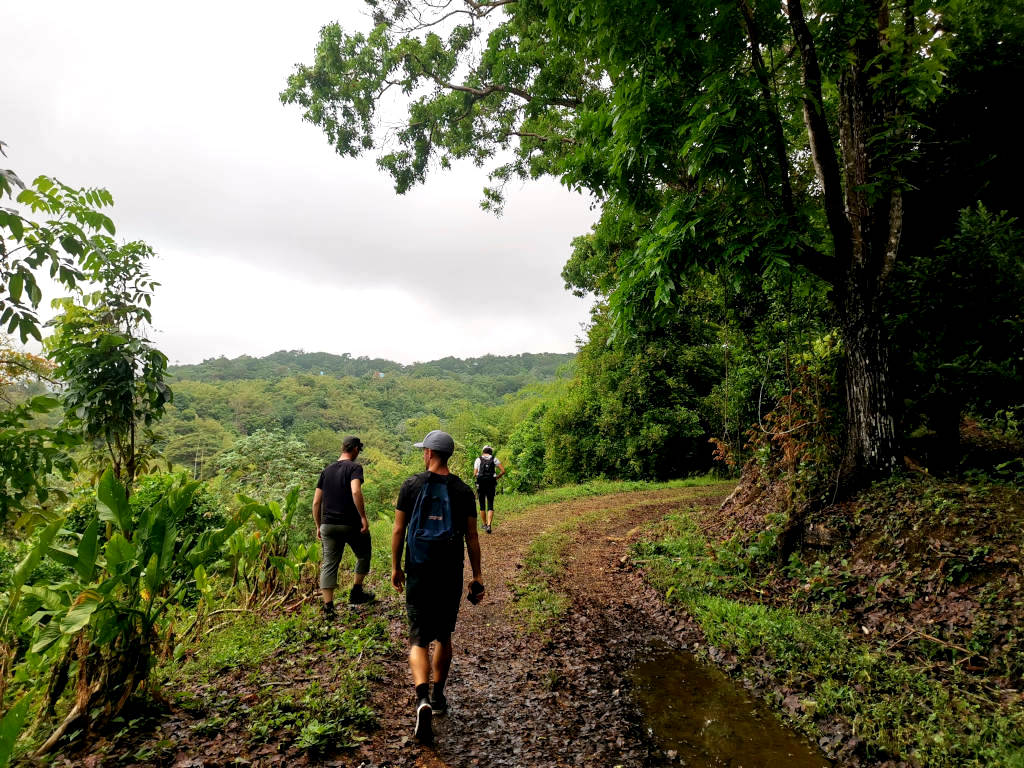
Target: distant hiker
340,516
487,470
434,514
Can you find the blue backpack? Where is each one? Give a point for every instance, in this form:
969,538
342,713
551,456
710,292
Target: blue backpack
430,535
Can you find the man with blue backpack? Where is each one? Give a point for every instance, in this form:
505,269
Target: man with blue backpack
434,515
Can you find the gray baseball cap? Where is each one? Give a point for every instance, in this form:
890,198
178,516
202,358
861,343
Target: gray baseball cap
437,440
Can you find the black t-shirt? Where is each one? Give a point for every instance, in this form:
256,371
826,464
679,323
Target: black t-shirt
460,495
336,483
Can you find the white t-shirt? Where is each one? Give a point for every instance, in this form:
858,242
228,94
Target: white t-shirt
497,466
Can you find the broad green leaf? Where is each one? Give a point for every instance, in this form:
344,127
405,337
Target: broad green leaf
49,635
10,728
118,550
202,582
80,613
112,502
87,547
153,577
15,285
53,599
32,559
66,557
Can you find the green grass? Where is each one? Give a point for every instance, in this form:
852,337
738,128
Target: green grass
536,600
511,504
898,709
311,679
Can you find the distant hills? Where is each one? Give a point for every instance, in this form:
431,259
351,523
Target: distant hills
284,363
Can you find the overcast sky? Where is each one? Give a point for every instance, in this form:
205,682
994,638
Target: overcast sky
266,238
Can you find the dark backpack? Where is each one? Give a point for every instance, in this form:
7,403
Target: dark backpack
486,470
430,535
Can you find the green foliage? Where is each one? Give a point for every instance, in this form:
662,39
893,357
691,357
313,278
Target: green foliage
263,556
501,371
268,463
29,454
633,411
105,621
113,376
959,319
70,243
762,143
10,727
903,710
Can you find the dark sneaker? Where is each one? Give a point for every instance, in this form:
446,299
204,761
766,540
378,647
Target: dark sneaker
424,721
329,613
360,596
439,704
487,528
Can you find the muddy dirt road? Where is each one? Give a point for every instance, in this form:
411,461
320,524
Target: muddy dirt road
562,697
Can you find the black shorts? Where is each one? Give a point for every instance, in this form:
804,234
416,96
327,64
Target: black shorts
432,599
485,493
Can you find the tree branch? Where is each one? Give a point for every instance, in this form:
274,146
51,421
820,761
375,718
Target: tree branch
823,151
541,137
778,137
495,88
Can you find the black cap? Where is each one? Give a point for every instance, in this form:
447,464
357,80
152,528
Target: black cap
350,443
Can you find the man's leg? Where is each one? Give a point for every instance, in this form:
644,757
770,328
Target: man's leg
360,543
331,550
489,517
439,666
419,663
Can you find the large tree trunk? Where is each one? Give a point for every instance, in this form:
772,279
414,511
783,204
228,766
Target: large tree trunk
868,247
872,448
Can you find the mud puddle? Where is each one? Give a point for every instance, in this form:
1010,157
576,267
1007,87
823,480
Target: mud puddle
700,717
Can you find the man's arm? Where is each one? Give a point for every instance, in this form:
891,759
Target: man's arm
501,470
397,544
357,498
318,500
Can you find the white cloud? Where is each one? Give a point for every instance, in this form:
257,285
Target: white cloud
175,110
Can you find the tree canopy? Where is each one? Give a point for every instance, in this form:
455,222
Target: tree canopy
746,138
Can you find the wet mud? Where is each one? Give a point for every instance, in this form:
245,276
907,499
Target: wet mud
700,716
579,695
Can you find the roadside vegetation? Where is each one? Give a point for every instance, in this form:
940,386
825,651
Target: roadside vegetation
894,634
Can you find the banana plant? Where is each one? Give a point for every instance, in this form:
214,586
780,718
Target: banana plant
263,561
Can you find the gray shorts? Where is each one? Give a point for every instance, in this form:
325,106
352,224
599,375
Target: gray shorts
333,539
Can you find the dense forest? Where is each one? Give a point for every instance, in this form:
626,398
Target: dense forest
808,275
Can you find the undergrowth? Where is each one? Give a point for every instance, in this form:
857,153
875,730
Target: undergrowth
291,679
790,624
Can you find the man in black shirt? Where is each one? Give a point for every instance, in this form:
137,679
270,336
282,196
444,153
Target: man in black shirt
434,515
340,516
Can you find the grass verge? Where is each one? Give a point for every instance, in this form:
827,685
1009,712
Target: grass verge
535,600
